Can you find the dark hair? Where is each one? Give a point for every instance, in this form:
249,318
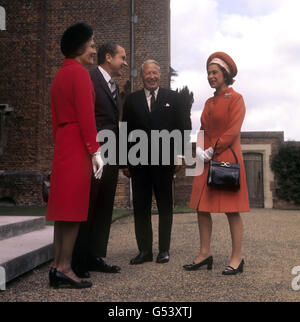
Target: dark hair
107,48
228,78
74,39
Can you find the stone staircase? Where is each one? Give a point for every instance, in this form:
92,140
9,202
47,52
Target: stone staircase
25,243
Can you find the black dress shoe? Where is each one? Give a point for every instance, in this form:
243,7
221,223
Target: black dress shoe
97,264
229,270
142,257
192,267
52,273
61,280
163,257
81,271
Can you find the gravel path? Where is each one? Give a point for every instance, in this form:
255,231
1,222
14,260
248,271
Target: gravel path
271,249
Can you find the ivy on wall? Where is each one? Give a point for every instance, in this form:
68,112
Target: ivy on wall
286,166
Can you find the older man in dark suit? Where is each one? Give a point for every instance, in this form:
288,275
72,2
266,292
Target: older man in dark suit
91,245
153,108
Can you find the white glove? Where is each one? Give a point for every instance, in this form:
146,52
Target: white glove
204,155
179,159
98,164
209,153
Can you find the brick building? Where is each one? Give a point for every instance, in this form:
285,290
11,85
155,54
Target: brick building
29,58
259,148
30,31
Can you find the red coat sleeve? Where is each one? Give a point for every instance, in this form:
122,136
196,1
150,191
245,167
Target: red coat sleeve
237,112
84,109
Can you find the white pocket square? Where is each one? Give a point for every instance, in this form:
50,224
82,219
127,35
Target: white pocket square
167,105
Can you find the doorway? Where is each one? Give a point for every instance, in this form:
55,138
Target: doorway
255,181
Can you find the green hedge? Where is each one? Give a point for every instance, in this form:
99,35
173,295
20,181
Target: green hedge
286,166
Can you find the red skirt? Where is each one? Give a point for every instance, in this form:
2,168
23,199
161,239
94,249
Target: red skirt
70,177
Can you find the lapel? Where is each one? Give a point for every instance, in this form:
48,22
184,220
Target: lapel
104,85
161,95
160,99
143,100
158,102
118,100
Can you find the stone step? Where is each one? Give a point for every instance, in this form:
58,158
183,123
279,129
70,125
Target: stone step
23,253
11,226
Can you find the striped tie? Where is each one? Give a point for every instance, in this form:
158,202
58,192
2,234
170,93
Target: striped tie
113,88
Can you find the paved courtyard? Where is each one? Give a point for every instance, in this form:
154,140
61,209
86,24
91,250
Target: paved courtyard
271,249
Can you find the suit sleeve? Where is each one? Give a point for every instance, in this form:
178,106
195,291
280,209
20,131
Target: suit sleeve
125,118
84,109
237,112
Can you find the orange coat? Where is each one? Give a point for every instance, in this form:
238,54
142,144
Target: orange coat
222,120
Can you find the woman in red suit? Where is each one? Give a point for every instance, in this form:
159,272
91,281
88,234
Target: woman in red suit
75,150
221,121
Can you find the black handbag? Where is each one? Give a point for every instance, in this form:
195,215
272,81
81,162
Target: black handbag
224,175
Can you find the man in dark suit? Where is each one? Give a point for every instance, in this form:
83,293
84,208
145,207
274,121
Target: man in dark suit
153,108
91,244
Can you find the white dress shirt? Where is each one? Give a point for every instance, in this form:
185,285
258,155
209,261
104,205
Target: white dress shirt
106,76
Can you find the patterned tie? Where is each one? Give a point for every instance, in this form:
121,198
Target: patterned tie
113,88
152,101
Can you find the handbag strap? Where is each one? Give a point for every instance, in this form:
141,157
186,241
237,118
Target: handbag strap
212,158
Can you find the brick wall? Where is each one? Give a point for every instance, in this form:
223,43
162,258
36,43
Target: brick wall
21,83
29,58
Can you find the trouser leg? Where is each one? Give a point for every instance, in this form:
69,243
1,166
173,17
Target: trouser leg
102,211
163,189
142,201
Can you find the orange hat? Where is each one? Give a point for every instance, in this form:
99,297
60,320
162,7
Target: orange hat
224,60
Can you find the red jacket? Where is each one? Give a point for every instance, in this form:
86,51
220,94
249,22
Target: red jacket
74,133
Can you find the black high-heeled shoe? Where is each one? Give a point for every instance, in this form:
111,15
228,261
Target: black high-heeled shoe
229,270
60,280
192,267
52,276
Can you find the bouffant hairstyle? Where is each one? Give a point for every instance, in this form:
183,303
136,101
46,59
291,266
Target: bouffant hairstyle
228,78
74,39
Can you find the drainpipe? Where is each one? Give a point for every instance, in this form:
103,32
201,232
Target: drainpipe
5,111
133,71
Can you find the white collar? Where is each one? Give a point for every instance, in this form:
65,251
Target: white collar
105,74
147,92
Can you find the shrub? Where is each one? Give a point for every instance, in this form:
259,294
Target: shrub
286,166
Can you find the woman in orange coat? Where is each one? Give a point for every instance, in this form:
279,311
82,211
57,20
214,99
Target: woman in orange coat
221,123
75,150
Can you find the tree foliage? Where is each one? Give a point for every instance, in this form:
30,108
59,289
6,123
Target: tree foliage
286,166
187,97
172,73
187,100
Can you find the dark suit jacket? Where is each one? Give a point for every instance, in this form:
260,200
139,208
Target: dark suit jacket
107,111
168,114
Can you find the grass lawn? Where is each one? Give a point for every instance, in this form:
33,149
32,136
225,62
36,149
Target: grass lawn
22,211
41,211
